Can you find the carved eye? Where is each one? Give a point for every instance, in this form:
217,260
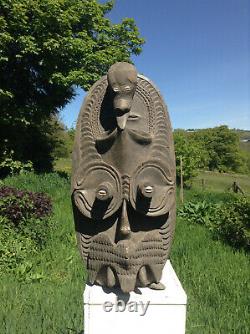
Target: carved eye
104,192
133,117
116,89
153,190
146,190
98,193
127,88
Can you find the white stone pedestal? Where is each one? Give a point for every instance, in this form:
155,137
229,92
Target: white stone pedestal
147,311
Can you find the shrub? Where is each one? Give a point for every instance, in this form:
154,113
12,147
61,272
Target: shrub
200,212
15,248
19,205
232,222
24,226
229,220
10,166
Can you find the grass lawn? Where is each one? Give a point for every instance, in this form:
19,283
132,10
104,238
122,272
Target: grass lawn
216,280
52,303
215,277
219,182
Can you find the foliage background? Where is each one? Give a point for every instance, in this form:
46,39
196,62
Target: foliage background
47,49
213,149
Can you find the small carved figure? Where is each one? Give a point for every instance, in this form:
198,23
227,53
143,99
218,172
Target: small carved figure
123,181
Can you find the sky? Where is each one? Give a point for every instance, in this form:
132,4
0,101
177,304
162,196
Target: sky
197,52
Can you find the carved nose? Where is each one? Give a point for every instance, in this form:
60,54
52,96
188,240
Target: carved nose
124,229
122,105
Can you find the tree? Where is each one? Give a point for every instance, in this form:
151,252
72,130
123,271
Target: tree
222,146
193,154
48,47
63,138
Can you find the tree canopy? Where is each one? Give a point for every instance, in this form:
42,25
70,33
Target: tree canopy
193,155
215,149
48,47
222,146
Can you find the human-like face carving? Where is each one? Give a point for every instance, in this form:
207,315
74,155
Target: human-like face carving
126,230
122,78
124,188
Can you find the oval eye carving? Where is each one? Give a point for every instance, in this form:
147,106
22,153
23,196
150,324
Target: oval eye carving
146,189
153,189
104,192
98,194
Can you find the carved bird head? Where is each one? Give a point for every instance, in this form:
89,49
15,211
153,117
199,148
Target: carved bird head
122,79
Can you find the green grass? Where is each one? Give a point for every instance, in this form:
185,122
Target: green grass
218,182
63,165
216,280
245,146
215,277
52,303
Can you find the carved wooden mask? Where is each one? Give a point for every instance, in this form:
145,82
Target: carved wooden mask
123,181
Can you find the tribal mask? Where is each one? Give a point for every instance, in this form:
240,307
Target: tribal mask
123,181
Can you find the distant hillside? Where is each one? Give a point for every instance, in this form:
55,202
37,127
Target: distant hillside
244,139
244,134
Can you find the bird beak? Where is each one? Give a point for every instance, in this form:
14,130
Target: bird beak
122,120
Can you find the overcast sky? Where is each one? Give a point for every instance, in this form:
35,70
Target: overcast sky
197,52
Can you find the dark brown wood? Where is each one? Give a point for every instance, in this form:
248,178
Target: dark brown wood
123,181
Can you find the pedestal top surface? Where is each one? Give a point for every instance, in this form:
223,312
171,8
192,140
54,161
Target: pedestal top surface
172,295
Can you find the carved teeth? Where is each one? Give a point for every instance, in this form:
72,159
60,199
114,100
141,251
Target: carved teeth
156,272
127,283
92,276
110,278
142,275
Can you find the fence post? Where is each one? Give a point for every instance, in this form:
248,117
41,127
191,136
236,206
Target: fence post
203,184
181,189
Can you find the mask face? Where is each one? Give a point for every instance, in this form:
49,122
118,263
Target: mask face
123,181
